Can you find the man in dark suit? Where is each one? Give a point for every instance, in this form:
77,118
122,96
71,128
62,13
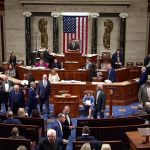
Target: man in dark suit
85,135
111,73
51,142
43,90
73,45
47,57
100,102
67,125
56,64
7,86
144,93
147,63
15,134
117,59
10,119
32,98
16,99
143,77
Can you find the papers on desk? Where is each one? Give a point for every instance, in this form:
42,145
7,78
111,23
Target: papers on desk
88,102
24,82
72,81
81,69
107,81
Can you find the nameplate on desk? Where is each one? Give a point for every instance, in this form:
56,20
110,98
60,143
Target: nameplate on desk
71,62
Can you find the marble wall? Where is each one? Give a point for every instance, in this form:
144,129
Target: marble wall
136,26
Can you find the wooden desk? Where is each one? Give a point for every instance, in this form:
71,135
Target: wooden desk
60,102
81,75
124,93
136,141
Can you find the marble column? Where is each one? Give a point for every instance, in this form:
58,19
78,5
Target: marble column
123,17
27,16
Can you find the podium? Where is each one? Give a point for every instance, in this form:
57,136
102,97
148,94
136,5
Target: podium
60,101
73,60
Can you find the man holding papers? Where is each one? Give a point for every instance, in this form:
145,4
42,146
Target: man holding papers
88,101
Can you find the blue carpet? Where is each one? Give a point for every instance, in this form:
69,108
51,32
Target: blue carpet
118,111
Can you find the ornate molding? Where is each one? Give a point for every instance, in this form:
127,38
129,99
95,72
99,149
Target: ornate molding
77,2
123,15
55,14
27,14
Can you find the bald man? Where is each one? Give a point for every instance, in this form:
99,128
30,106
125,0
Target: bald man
15,134
43,91
16,99
100,102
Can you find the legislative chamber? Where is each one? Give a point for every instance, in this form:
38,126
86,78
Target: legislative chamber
74,74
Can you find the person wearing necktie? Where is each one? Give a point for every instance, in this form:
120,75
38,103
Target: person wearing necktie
111,73
16,99
51,142
7,86
117,59
144,93
32,98
58,127
43,91
67,125
100,102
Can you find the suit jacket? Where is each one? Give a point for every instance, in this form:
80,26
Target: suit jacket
66,130
32,97
16,99
143,78
71,47
142,94
101,101
11,84
56,65
114,58
85,138
46,145
47,57
146,60
112,75
56,127
43,92
12,121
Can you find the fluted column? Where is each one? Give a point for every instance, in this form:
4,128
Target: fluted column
94,33
55,32
123,17
27,16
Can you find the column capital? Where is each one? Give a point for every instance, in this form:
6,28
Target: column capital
55,14
27,14
94,15
123,15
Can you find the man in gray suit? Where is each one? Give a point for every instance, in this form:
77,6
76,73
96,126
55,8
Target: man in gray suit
144,93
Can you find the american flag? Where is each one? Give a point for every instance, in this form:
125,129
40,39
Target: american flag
76,27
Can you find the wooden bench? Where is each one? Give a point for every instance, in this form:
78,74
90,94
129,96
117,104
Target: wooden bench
13,144
111,133
115,145
133,120
28,131
31,121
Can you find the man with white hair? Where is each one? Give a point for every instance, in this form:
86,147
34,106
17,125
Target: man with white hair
100,102
51,142
16,99
43,90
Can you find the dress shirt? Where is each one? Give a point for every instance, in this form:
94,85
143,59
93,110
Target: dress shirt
98,92
67,117
6,87
44,83
148,92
